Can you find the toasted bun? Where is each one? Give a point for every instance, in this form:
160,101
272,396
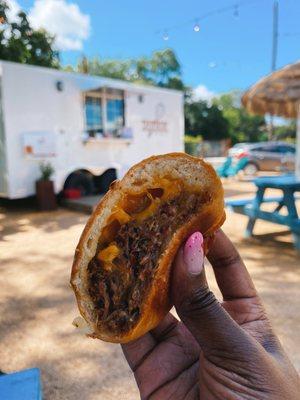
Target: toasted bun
196,175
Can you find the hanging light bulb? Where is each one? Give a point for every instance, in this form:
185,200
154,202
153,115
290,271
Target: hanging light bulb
165,36
196,26
236,12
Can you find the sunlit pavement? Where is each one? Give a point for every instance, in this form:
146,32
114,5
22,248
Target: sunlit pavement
37,305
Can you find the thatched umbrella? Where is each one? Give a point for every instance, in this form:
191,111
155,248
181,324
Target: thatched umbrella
278,94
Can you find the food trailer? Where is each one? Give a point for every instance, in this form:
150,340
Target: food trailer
90,129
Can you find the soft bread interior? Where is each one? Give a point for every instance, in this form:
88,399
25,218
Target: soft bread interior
137,197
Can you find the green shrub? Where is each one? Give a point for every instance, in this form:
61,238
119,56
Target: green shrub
46,171
191,144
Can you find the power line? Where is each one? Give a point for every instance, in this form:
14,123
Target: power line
289,34
236,10
235,7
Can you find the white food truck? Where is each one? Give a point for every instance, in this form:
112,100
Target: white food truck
91,129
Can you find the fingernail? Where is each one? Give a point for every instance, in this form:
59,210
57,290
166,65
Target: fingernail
193,253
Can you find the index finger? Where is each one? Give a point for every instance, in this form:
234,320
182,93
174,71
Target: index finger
230,271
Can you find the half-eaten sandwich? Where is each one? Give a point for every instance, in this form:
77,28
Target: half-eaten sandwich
122,265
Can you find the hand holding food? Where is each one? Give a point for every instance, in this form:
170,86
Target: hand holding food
216,350
121,271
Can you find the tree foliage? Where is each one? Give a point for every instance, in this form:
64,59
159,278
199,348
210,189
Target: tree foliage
19,42
242,126
287,131
205,120
161,69
116,69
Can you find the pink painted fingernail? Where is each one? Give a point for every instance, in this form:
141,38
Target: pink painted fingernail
193,253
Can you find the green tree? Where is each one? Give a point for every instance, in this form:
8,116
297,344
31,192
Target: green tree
19,42
205,120
165,67
287,131
176,82
242,126
161,69
116,69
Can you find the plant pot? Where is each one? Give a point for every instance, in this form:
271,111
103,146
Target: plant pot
45,195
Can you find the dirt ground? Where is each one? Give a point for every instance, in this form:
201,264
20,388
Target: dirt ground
37,305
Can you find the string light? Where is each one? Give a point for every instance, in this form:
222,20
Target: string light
165,36
235,8
196,26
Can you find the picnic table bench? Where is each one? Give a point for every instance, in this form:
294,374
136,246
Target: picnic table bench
289,185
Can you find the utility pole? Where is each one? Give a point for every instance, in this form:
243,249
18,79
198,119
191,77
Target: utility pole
275,35
274,52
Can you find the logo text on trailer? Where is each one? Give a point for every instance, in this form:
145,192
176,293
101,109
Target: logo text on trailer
157,125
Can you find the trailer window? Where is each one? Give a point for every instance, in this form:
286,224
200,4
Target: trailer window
93,114
104,113
115,115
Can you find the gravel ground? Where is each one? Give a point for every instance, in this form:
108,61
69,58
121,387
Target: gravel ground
37,305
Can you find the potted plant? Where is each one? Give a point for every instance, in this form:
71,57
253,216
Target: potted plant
45,189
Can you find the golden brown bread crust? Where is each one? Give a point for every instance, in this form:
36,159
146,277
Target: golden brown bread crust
157,304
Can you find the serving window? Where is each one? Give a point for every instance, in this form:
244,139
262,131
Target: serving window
104,113
93,115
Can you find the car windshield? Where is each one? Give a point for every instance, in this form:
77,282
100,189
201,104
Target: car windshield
261,148
276,148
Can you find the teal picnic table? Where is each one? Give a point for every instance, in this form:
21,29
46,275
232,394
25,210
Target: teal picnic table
289,185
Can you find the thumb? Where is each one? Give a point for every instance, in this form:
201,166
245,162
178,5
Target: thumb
196,305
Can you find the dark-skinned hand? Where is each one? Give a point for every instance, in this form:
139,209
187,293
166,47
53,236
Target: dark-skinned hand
218,350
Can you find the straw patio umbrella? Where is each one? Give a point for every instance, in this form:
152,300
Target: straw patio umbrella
278,94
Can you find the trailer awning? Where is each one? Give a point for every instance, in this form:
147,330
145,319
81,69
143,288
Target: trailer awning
109,91
92,84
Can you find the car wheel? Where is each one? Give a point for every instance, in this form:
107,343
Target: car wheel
250,169
82,182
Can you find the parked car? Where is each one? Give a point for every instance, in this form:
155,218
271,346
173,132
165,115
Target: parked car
265,156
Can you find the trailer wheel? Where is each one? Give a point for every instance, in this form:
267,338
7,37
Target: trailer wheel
80,181
103,181
107,178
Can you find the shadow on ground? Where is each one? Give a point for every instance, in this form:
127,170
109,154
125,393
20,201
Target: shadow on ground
37,305
19,221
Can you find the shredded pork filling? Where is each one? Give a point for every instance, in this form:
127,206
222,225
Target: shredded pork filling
118,292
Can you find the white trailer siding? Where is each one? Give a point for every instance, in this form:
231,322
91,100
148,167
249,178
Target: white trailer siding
31,103
3,168
145,142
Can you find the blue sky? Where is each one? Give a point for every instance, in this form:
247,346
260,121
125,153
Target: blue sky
239,49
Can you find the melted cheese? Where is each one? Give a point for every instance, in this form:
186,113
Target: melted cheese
149,211
109,253
171,189
120,215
